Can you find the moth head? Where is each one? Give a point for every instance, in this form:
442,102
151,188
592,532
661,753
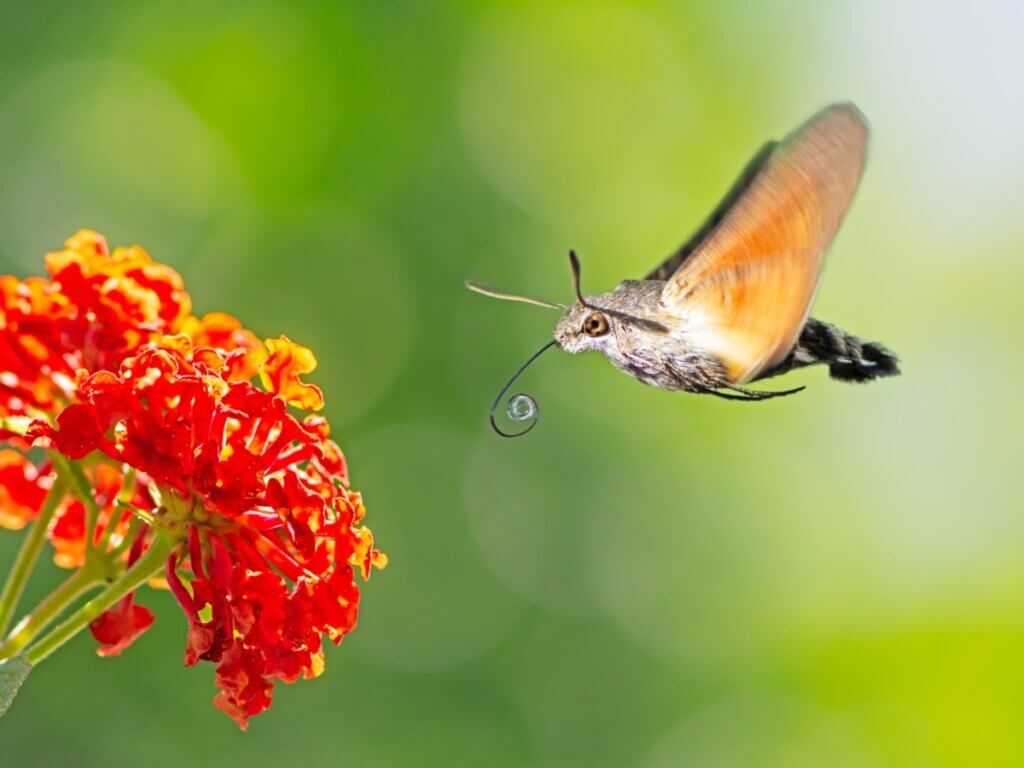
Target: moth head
582,325
582,328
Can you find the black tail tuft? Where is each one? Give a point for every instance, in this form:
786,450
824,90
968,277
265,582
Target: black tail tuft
847,357
875,362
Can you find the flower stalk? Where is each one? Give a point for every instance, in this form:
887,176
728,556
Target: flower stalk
29,553
79,484
49,609
144,569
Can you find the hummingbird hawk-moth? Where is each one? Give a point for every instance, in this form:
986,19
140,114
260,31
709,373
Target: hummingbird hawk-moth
731,305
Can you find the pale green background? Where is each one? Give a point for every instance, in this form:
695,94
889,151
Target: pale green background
649,579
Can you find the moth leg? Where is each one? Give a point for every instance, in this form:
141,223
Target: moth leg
751,395
760,394
695,372
725,396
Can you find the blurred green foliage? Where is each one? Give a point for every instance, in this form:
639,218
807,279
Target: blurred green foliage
648,579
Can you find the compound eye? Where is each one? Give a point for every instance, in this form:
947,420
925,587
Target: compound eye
595,324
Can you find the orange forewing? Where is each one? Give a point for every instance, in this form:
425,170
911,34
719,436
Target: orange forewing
745,292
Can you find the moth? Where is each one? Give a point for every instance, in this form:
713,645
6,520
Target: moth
731,306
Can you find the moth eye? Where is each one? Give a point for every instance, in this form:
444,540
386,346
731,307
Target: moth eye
595,324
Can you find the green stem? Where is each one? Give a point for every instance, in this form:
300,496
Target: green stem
127,491
133,528
73,473
48,610
145,568
29,553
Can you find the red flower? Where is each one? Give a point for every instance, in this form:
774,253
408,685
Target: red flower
244,690
35,371
105,360
22,489
224,332
126,292
96,309
118,628
274,532
281,372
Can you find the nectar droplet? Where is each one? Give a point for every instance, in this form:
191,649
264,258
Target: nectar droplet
521,408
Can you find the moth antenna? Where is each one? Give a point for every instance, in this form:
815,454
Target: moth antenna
574,263
484,290
651,325
535,416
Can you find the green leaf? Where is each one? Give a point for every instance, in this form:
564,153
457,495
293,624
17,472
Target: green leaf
12,674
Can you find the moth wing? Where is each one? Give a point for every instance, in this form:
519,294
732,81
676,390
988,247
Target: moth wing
745,291
667,268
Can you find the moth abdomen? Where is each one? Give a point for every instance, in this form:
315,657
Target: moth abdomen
848,357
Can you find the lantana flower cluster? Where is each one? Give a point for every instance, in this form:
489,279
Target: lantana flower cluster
186,453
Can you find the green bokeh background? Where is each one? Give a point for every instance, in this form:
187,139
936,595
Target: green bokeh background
648,579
